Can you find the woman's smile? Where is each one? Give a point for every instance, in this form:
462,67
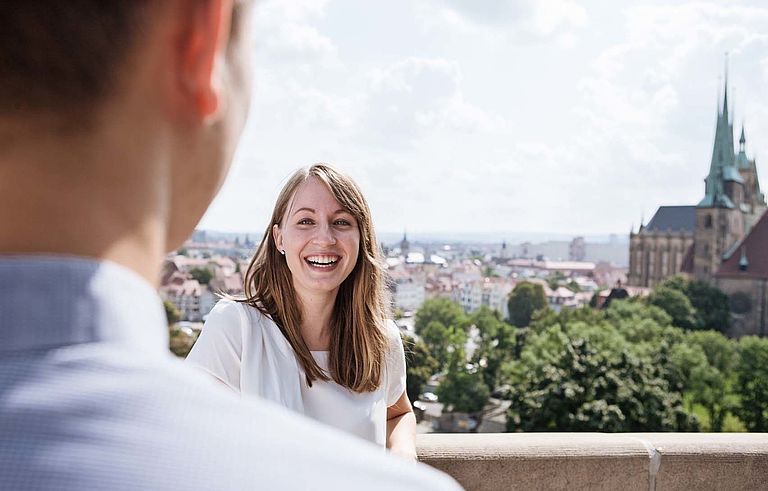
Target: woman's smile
323,262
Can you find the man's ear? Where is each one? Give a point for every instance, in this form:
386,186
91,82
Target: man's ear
201,47
277,234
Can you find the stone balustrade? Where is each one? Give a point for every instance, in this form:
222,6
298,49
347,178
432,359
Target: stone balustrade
624,461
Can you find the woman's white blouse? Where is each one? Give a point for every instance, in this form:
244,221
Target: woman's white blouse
246,350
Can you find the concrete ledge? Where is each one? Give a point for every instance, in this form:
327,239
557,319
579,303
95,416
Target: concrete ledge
626,461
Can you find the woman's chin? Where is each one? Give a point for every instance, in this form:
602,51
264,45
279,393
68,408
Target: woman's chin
320,287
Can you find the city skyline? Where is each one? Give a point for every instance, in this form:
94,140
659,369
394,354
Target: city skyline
551,117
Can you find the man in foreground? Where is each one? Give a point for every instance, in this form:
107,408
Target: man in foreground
118,121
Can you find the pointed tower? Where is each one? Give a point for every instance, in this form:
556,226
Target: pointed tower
742,162
405,246
720,214
754,199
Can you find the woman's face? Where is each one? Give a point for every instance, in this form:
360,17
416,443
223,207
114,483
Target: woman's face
320,239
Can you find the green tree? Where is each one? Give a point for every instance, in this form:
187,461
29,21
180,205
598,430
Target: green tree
713,310
712,386
752,382
436,338
675,303
686,368
555,279
495,344
573,286
180,342
710,305
420,366
172,314
709,387
463,388
202,275
594,299
524,300
442,310
587,378
597,370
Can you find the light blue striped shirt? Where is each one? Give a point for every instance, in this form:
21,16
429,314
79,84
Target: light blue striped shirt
90,398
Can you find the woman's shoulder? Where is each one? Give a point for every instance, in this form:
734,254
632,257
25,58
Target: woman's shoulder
394,338
391,329
237,312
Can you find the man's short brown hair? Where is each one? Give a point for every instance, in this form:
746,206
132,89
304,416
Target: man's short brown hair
61,56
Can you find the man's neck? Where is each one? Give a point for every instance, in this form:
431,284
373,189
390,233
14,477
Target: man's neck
58,197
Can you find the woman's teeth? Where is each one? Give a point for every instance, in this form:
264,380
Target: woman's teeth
323,261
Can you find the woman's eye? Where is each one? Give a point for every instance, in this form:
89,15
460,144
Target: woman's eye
305,221
344,223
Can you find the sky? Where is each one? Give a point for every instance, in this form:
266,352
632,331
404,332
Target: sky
498,116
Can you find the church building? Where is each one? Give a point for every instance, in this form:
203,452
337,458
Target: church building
702,239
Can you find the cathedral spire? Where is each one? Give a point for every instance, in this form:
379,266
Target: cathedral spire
725,95
742,162
743,139
722,167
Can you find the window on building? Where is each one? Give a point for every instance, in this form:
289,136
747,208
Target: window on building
651,264
708,221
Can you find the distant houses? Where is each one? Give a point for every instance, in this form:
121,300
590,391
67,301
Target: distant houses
192,298
416,274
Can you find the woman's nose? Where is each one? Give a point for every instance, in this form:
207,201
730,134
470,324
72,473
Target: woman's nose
324,236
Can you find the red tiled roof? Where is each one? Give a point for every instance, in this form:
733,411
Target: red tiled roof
755,247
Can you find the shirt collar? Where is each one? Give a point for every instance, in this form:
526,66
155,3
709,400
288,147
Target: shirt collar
49,301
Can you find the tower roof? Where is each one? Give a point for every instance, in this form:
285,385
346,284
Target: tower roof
722,168
742,162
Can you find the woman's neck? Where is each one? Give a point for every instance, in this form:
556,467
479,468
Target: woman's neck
316,314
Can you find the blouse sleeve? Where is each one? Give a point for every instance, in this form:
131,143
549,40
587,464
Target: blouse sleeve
219,348
395,364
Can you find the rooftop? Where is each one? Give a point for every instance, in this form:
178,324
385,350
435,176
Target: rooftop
748,258
673,219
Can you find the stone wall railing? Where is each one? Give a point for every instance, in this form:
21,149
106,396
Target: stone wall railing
623,461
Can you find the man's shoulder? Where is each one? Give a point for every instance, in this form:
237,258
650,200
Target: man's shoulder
125,425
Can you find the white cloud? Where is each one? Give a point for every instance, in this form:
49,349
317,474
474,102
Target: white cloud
518,19
293,10
421,95
294,40
286,34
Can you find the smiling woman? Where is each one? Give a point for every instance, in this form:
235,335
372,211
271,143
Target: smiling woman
312,332
320,240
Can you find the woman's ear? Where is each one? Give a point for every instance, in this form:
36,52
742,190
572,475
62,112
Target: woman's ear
277,234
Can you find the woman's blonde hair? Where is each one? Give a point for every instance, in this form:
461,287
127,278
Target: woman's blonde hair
358,340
